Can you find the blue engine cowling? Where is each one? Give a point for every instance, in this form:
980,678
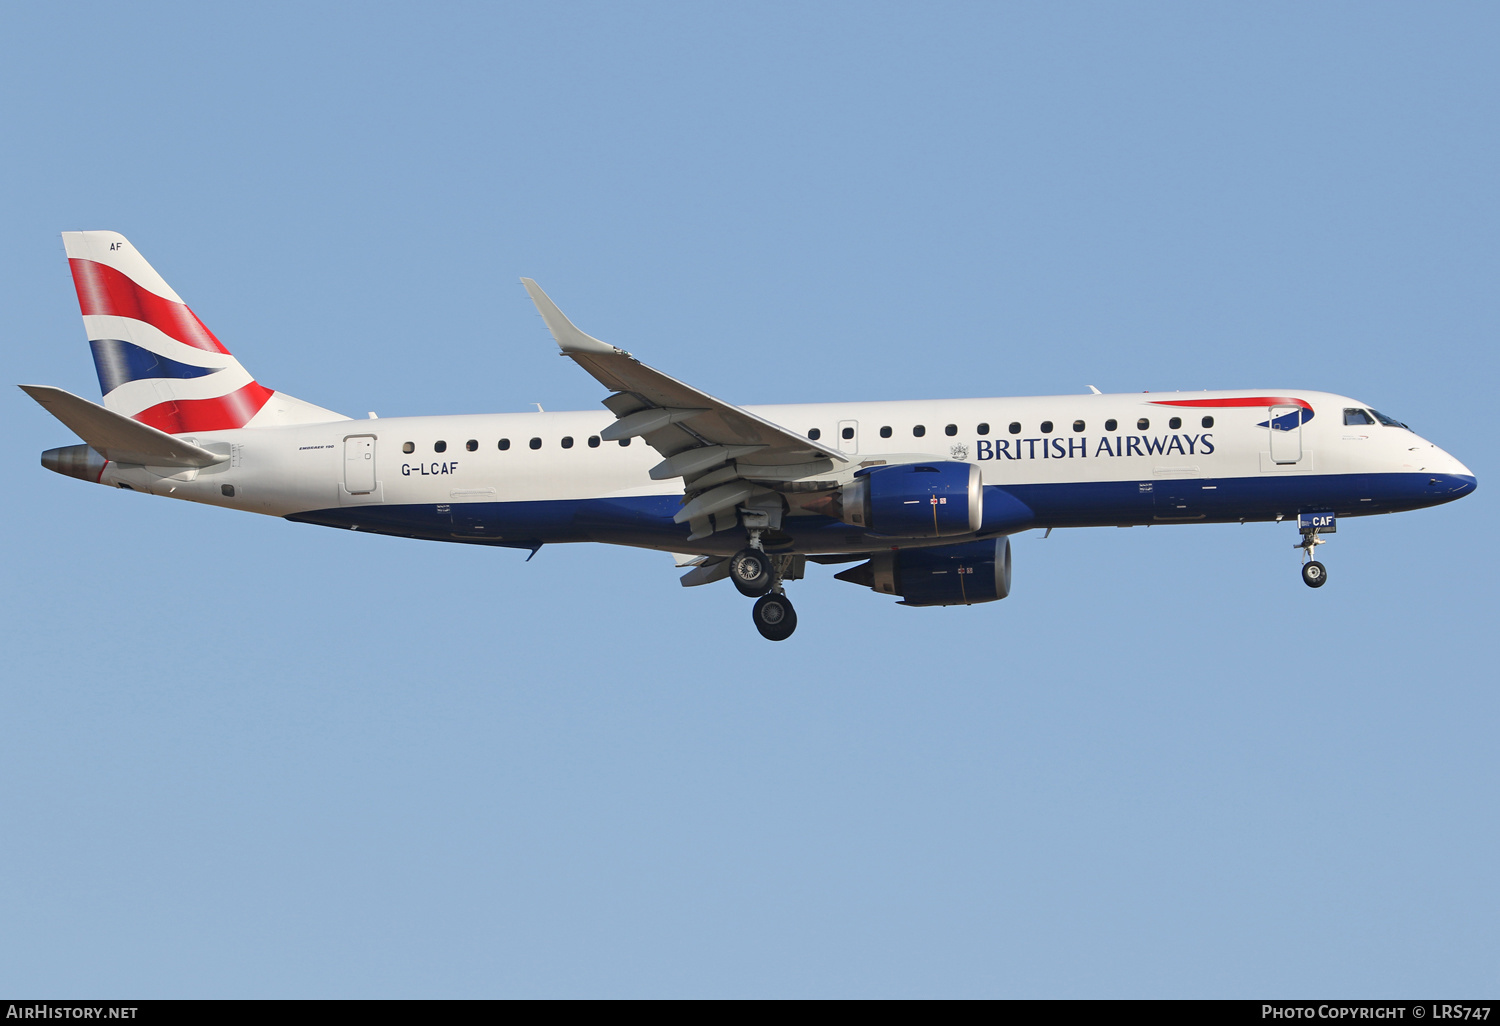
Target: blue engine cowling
915,500
944,575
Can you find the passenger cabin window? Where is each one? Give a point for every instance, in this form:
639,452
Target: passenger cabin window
1015,427
1208,422
535,443
624,442
472,445
408,447
1357,417
567,442
951,430
1078,425
848,433
439,446
885,432
919,430
1111,424
1046,427
815,434
1175,423
1143,425
504,444
593,441
982,429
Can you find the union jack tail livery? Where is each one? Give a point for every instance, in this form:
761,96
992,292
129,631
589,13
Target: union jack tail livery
157,362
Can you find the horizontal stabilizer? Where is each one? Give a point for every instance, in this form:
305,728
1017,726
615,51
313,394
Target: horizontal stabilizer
117,437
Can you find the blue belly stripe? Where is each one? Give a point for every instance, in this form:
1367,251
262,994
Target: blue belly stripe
646,520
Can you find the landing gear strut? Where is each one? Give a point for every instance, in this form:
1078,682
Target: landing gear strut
758,576
1314,574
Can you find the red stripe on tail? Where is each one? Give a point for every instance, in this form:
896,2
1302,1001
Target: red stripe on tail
230,411
104,290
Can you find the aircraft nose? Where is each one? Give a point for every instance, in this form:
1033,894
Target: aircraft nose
1460,485
1451,480
1460,479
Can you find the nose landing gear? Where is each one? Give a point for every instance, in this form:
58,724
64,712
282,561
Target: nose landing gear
1314,573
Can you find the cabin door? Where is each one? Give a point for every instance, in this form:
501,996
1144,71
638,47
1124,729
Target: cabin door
1286,434
359,464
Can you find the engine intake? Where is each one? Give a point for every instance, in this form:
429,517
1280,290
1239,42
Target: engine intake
944,575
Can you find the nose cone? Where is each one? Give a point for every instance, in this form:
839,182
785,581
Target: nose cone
1460,479
1462,484
1453,481
1447,479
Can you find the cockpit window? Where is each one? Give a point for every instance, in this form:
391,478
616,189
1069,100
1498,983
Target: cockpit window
1388,421
1357,417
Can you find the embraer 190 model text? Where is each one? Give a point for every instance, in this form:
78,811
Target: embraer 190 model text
922,495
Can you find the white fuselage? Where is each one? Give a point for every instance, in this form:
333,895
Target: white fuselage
441,466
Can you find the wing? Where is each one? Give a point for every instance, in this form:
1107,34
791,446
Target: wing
727,456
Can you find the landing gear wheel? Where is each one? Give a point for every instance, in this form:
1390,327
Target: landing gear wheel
1314,574
750,570
774,617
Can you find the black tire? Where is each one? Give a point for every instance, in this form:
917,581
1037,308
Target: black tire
774,617
750,570
1314,574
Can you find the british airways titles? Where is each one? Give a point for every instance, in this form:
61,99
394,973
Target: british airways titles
1055,447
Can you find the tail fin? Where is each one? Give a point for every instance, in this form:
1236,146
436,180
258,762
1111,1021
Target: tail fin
157,362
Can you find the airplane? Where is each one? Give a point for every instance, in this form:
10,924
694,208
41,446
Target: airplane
923,495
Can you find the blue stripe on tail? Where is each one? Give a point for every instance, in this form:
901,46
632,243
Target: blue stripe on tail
118,361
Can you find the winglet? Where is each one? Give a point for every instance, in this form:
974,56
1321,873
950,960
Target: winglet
569,338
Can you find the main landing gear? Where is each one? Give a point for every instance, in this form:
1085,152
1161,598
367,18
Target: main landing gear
1314,573
750,570
774,616
758,576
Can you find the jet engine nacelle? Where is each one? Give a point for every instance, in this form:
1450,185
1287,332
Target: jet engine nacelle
911,500
944,575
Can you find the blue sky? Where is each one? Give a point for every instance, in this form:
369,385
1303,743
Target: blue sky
244,757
